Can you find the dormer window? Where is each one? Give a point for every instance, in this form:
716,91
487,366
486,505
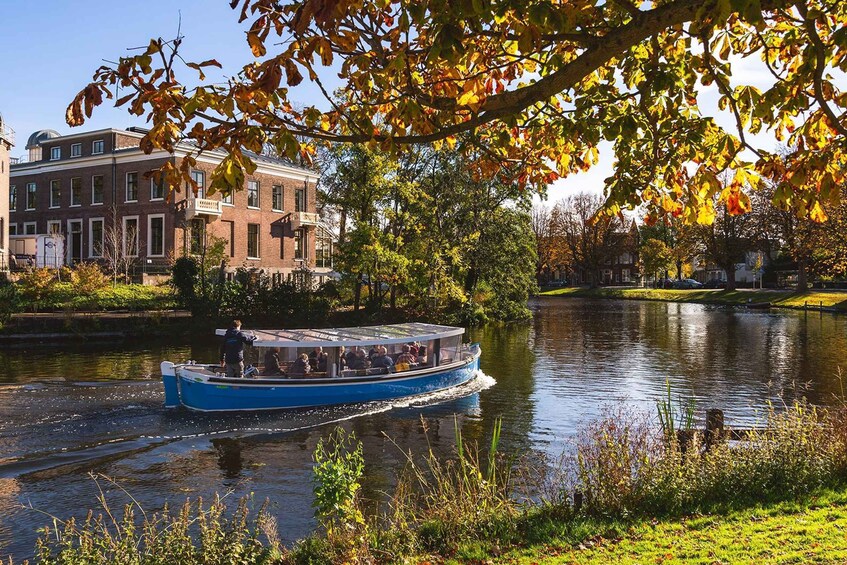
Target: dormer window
97,147
76,150
55,153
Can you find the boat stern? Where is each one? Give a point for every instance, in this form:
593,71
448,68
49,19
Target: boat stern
169,380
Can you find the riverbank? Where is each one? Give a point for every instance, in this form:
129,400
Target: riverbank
835,301
806,531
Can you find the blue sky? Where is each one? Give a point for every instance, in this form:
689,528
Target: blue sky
51,48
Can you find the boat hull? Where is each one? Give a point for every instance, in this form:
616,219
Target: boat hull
203,393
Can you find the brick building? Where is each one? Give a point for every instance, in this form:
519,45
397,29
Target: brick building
7,140
91,188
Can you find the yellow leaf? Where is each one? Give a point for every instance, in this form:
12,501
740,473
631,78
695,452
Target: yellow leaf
818,214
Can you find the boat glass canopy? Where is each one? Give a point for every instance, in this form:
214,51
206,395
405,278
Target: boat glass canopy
351,337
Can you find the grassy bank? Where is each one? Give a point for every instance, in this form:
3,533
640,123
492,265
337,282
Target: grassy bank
807,531
777,298
135,297
780,496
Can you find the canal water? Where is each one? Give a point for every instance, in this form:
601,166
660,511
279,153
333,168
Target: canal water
70,410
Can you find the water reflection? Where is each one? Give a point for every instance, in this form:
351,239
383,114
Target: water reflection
98,408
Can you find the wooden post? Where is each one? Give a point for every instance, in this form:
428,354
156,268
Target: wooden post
685,439
714,427
577,500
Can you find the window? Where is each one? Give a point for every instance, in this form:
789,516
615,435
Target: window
29,228
55,153
97,147
299,236
253,241
198,236
55,194
54,227
30,196
300,200
625,275
76,149
130,239
76,192
97,189
95,240
13,198
157,190
323,249
199,177
277,197
227,199
156,235
230,229
132,187
13,229
252,194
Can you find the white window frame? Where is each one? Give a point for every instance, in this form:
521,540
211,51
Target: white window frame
94,147
69,234
59,203
228,199
124,220
91,237
201,186
51,224
281,198
71,193
26,196
56,153
34,228
78,148
103,195
126,186
258,195
13,191
13,226
258,241
150,218
154,198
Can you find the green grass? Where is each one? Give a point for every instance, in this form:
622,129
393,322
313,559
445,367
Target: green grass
779,298
812,531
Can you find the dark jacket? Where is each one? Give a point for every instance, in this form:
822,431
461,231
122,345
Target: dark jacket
299,367
232,348
382,361
272,363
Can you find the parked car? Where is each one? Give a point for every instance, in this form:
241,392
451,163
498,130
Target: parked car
715,283
687,284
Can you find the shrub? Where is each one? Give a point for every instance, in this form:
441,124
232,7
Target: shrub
35,284
88,278
184,278
195,534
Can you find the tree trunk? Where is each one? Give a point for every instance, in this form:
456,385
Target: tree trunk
802,275
730,278
357,293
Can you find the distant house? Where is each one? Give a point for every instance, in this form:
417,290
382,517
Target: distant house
618,265
747,272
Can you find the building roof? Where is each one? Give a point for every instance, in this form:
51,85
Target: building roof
41,135
352,337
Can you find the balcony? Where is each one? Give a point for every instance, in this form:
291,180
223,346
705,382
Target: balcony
303,219
203,206
7,133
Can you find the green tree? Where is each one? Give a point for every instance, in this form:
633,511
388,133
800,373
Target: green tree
540,84
656,257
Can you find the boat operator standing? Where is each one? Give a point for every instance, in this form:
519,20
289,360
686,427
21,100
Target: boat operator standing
232,350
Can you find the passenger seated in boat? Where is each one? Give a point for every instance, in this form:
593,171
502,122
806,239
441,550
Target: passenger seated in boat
360,360
272,362
315,356
382,360
422,355
413,350
300,367
406,356
373,353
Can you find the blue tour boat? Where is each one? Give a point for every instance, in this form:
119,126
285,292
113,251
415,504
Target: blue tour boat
447,363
